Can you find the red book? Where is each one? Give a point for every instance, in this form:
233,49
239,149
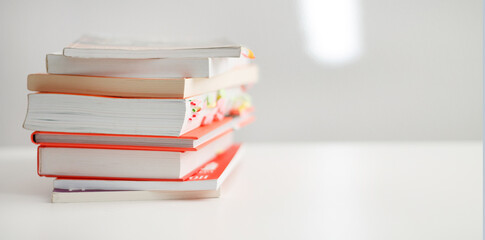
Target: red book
192,139
127,162
209,177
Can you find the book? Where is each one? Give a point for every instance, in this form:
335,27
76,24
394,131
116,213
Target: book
209,177
133,116
64,196
124,162
170,68
102,47
191,139
140,87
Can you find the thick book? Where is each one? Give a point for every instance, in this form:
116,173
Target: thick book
102,47
143,68
204,184
134,116
125,162
209,177
192,139
123,86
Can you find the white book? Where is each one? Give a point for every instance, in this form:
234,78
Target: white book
134,116
171,68
102,47
60,196
126,163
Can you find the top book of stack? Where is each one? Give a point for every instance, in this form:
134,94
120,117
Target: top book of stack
97,47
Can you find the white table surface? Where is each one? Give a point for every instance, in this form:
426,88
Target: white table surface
421,190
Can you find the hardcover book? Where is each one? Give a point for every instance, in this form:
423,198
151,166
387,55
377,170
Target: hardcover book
126,162
209,177
206,183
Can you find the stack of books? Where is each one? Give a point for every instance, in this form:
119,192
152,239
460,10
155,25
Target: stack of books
131,120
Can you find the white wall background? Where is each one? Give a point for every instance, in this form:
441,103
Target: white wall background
419,76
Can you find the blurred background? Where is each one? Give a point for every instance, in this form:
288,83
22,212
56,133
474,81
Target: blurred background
345,70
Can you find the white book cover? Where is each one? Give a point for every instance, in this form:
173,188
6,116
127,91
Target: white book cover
109,47
61,196
171,68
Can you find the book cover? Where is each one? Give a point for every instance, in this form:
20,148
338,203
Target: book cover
208,177
105,47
